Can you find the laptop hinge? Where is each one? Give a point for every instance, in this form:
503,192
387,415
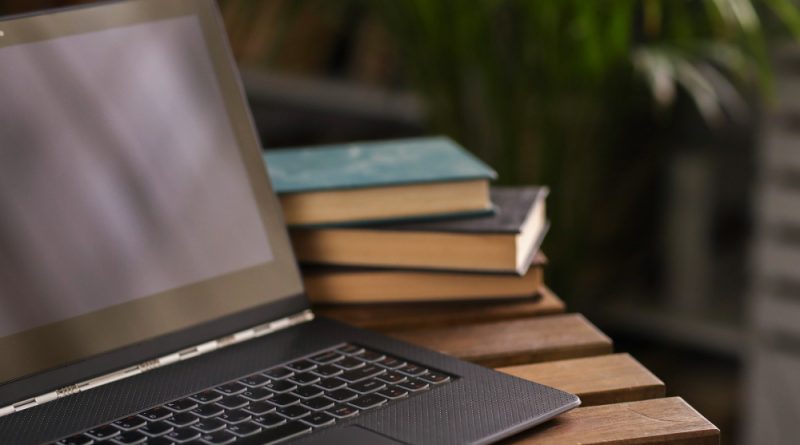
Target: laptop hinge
184,354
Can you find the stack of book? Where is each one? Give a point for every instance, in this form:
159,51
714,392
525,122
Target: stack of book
408,220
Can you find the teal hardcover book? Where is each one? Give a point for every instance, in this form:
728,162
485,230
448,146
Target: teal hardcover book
372,164
367,182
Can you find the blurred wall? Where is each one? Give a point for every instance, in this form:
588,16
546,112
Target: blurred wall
772,404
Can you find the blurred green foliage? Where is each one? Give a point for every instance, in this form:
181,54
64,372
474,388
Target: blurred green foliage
492,70
570,93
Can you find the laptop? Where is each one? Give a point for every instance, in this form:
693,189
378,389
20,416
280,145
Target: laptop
148,290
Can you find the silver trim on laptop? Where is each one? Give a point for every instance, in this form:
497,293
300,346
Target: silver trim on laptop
183,354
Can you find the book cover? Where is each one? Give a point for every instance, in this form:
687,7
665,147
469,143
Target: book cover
512,206
372,164
503,242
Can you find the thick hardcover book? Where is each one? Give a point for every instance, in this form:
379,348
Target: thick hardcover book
348,285
378,181
503,242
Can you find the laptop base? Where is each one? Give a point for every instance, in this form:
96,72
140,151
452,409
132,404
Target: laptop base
478,406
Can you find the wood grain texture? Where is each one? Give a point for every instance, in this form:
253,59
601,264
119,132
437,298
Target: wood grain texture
513,342
386,317
596,380
657,421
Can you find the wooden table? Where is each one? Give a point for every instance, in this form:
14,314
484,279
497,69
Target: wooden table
623,403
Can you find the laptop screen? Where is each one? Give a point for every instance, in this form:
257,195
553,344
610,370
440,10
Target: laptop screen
124,194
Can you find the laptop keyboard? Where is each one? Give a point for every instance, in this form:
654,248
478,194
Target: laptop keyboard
277,404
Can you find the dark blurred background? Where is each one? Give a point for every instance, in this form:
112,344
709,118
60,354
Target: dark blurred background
665,129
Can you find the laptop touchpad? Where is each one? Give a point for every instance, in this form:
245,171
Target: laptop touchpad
352,435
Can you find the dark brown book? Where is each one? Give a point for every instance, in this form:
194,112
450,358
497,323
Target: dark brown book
349,285
503,242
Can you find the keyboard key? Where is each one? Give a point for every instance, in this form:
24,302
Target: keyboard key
293,412
206,397
130,423
391,363
393,392
367,386
284,400
269,420
181,406
255,380
182,435
362,373
256,394
317,403
278,434
182,420
79,439
307,392
130,438
155,429
302,366
368,401
342,395
278,373
327,371
343,411
392,377
318,419
234,417
233,402
245,429
412,370
231,388
209,425
260,408
351,349
371,356
349,363
156,414
326,357
206,411
280,386
331,384
160,441
304,378
103,432
434,377
414,385
218,438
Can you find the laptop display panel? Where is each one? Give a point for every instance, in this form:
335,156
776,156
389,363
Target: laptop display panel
133,199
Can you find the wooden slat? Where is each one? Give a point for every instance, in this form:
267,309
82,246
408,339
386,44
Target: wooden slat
656,421
383,317
596,380
514,342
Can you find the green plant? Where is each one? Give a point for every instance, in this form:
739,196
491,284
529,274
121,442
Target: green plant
568,92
